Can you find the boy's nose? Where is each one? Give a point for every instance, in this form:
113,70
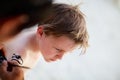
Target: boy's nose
59,56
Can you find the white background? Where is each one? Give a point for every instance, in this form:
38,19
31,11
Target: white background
102,59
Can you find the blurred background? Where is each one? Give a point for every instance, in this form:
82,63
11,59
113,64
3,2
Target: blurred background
102,59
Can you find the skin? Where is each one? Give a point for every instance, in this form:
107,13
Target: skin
53,48
6,29
50,47
16,74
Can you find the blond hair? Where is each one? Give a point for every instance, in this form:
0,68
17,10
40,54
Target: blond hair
67,20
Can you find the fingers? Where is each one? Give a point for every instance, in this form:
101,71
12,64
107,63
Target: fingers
14,62
16,70
3,67
15,74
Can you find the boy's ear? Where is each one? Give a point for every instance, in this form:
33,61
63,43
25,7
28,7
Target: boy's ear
40,30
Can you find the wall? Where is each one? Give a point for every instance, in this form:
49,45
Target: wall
102,60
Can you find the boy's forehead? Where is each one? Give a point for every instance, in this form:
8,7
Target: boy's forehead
63,43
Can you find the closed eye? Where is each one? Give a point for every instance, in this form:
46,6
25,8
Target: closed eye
58,50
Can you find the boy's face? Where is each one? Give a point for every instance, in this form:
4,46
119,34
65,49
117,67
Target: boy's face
53,48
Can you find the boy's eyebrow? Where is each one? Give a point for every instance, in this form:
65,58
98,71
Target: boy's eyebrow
59,49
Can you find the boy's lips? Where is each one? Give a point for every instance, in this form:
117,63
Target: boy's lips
52,59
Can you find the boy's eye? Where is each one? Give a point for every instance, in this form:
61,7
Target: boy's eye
58,50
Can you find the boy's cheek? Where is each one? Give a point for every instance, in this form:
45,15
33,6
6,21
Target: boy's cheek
48,55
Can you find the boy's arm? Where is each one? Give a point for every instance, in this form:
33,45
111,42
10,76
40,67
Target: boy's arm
16,74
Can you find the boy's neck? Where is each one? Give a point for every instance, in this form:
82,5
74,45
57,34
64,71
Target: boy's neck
33,44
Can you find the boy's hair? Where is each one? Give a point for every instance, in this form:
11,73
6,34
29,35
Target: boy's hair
67,20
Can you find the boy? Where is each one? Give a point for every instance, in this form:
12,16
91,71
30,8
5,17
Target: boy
61,32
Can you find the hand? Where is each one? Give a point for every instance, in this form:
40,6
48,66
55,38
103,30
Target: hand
16,74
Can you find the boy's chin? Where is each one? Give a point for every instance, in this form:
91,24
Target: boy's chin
50,60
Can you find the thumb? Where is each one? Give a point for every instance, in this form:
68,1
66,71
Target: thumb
3,67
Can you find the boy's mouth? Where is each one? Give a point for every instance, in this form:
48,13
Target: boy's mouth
52,59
